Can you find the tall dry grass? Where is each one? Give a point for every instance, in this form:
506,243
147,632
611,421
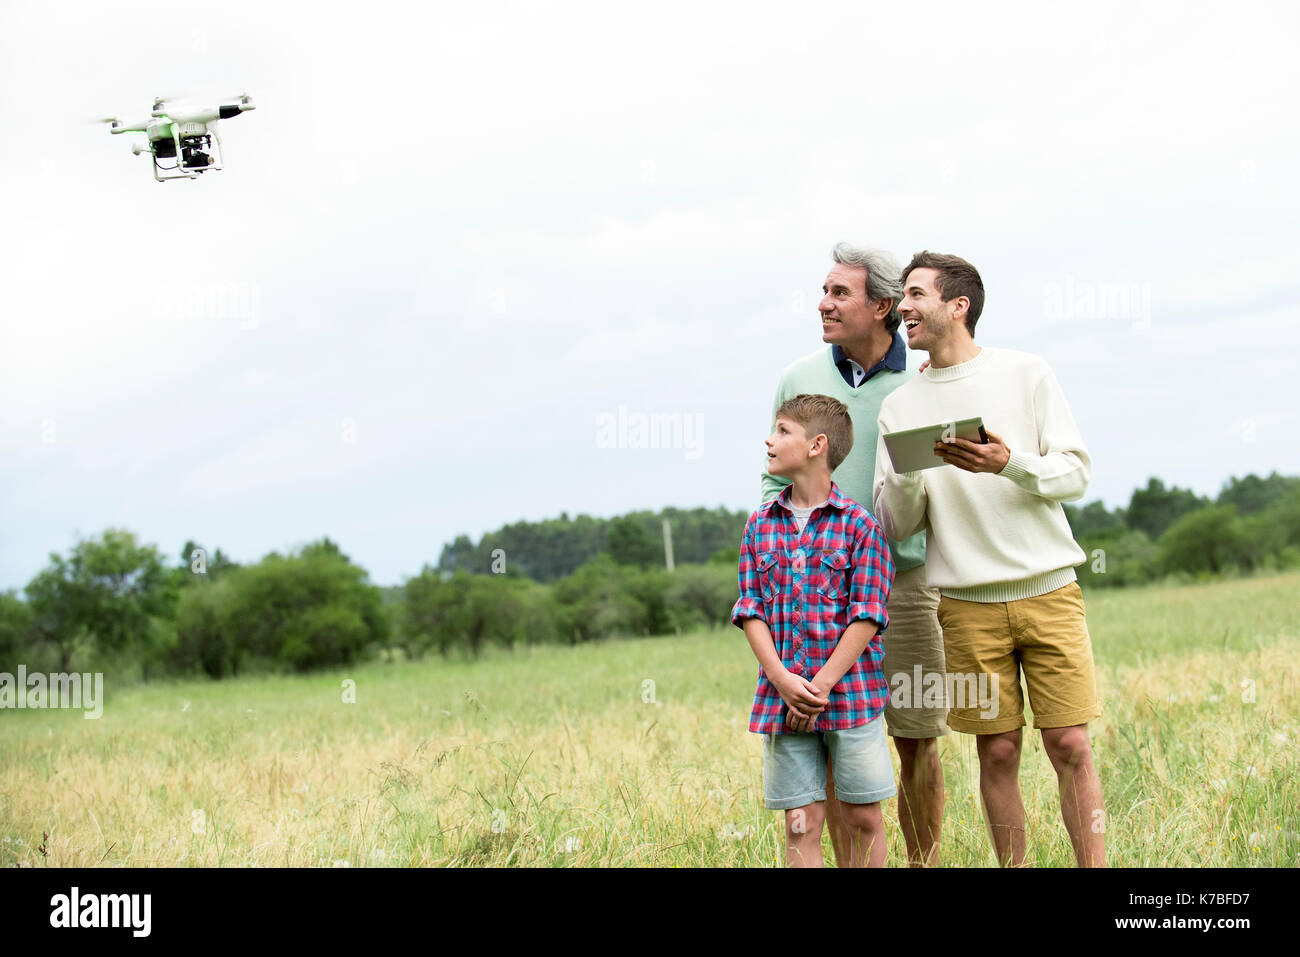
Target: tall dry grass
635,753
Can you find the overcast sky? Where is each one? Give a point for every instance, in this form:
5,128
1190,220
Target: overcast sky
452,241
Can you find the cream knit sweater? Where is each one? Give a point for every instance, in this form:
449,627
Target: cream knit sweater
989,537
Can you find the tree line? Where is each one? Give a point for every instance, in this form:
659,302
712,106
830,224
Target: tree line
553,548
1252,525
115,603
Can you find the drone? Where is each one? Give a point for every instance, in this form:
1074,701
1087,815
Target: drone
187,135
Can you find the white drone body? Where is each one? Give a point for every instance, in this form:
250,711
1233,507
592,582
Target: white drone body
184,134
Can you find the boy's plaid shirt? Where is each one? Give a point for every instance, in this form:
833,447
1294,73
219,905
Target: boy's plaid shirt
808,587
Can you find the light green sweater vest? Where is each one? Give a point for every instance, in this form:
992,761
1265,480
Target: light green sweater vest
816,374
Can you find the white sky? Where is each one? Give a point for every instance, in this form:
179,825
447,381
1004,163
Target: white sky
472,230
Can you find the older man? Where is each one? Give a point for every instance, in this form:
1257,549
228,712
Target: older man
866,359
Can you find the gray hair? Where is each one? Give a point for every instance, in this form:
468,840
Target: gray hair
884,276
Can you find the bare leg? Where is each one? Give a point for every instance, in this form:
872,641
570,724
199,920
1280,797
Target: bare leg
920,799
1071,755
999,756
835,820
865,825
803,835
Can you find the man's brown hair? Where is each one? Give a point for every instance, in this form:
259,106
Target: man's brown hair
956,277
822,415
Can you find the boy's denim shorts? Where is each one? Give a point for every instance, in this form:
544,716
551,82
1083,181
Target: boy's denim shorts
794,766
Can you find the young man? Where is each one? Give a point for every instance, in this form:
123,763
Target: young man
815,574
863,360
999,548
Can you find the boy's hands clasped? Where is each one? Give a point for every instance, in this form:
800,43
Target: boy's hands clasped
804,700
798,721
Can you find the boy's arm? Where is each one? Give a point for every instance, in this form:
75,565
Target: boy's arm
750,602
849,649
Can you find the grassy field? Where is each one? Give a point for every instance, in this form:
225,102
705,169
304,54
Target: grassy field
635,753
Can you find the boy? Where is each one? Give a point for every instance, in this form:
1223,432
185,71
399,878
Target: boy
815,573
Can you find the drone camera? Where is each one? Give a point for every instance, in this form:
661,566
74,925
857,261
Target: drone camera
194,157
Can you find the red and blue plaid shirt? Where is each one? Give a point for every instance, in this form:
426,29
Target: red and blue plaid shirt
808,587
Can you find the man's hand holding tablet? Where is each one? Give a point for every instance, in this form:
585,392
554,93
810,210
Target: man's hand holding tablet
964,443
991,456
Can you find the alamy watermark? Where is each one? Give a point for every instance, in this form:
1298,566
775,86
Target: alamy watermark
57,690
650,430
944,690
1077,299
75,909
239,302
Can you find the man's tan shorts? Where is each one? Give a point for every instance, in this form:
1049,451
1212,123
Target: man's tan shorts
913,638
1046,637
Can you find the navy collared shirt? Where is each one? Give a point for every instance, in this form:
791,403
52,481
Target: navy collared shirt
895,358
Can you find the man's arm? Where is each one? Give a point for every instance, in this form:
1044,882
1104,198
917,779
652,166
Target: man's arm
898,500
1059,469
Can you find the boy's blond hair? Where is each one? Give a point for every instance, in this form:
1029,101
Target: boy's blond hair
822,415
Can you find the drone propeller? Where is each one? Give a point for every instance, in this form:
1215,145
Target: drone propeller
114,123
160,103
159,100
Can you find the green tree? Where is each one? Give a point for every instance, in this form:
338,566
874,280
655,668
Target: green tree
1155,508
702,594
109,589
430,613
596,603
1093,519
128,585
1251,494
471,611
459,555
214,563
1207,540
649,586
630,544
554,548
726,556
207,636
539,619
1119,557
311,610
60,603
1285,513
17,630
494,611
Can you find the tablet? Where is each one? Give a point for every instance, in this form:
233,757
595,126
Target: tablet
913,449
